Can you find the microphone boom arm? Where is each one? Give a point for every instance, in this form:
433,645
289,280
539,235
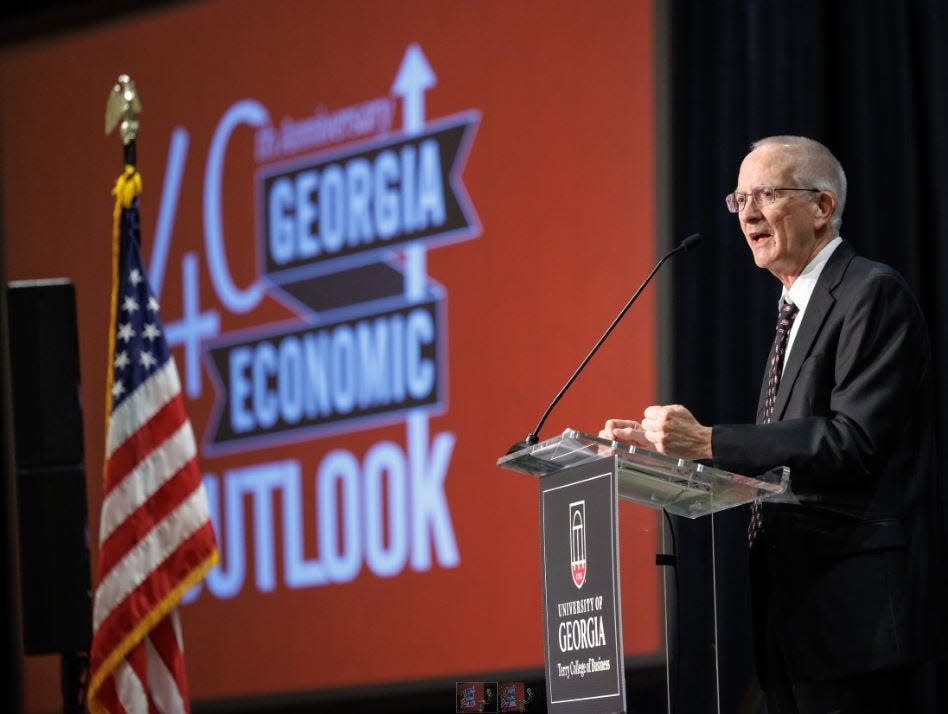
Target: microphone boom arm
687,244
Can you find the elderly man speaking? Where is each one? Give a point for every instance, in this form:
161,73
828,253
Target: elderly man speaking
842,578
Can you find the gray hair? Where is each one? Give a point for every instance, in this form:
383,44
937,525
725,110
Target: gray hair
814,166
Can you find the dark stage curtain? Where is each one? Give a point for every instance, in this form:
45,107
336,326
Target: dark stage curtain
868,78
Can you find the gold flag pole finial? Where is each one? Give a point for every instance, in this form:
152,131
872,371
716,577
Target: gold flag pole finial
122,110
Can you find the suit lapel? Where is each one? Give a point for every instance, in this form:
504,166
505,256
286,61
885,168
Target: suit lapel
821,302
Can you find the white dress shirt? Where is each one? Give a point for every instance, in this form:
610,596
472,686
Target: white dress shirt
802,289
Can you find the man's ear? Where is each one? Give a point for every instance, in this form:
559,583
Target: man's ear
825,209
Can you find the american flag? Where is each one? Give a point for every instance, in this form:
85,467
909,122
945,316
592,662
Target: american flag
155,535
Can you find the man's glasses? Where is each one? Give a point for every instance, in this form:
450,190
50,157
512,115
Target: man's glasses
762,196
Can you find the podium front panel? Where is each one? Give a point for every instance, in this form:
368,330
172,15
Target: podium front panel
581,596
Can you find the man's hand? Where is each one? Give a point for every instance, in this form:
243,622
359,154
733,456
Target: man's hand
625,431
674,431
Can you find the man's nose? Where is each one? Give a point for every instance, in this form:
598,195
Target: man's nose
751,212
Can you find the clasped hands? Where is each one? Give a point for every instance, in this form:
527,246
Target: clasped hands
670,429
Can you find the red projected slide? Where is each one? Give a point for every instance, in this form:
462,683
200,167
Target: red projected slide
382,234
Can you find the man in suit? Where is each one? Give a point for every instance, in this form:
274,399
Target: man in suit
846,576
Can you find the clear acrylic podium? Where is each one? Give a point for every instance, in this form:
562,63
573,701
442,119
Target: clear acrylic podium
685,488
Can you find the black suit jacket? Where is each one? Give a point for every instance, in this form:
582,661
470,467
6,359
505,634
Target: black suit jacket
846,581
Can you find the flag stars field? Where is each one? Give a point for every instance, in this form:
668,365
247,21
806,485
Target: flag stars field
134,333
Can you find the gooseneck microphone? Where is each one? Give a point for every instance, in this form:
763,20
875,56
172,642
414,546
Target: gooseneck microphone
532,438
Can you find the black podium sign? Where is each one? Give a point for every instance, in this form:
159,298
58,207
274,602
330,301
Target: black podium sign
582,614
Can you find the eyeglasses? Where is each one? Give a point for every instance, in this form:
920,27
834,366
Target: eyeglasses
762,196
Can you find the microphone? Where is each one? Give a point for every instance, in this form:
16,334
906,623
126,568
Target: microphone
532,438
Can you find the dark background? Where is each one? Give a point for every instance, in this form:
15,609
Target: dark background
865,77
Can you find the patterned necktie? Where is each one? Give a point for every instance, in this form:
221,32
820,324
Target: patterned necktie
788,311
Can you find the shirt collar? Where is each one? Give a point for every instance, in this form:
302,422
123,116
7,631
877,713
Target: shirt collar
802,288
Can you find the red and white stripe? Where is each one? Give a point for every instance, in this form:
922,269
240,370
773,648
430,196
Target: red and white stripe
155,537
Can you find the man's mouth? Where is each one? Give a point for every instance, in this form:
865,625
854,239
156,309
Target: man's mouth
758,236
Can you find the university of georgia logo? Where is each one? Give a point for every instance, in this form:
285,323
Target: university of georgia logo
577,542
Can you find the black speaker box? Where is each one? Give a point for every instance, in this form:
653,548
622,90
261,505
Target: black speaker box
51,482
